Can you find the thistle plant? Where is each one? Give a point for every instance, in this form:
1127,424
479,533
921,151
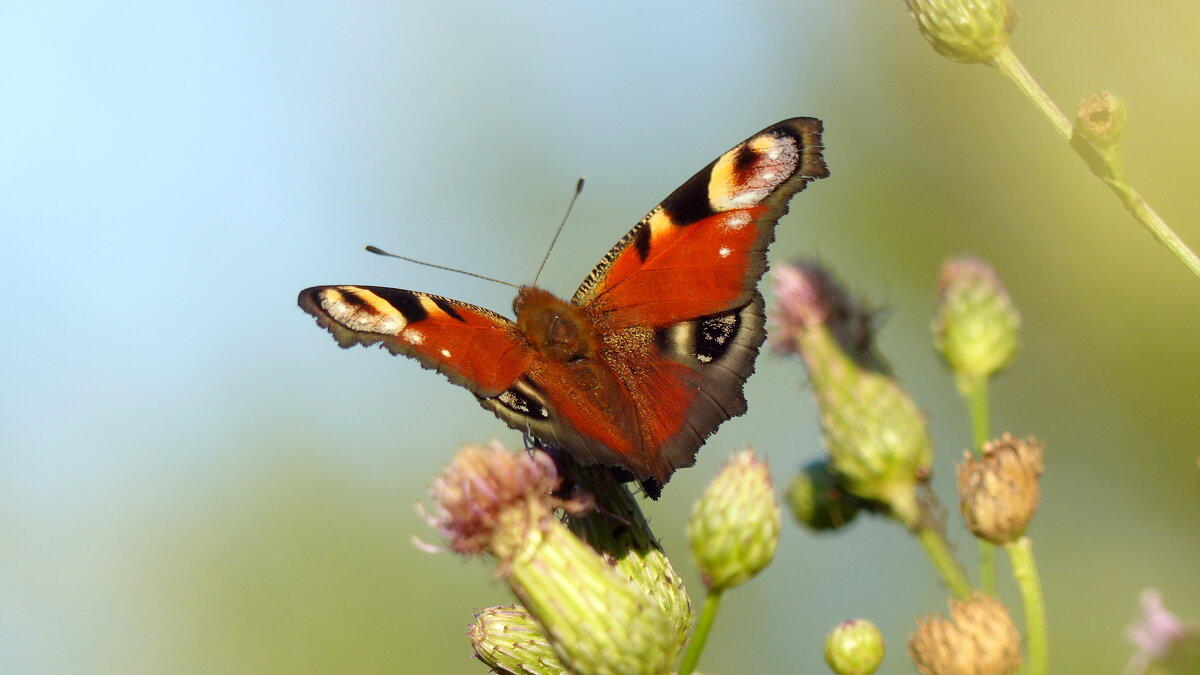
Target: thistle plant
979,31
494,502
976,332
599,594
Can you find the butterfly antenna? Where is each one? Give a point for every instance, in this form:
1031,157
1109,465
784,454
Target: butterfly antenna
578,189
378,251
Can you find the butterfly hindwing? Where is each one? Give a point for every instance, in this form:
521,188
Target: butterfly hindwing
473,346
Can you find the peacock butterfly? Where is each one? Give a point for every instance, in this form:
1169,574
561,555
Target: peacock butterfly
651,354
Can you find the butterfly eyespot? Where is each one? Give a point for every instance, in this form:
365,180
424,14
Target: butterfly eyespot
523,399
715,335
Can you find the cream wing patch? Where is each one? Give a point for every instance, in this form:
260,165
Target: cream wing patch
745,175
362,311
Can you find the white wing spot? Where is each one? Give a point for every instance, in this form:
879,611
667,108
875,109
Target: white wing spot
748,197
769,175
724,251
704,358
773,153
413,336
735,221
446,353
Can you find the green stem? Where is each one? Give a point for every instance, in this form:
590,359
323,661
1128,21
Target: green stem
1007,63
975,391
939,554
1011,67
703,628
987,567
1020,553
1149,218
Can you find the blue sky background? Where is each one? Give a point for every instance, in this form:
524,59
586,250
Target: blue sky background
193,478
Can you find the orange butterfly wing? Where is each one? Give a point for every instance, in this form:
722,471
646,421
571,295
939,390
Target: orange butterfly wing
688,272
703,250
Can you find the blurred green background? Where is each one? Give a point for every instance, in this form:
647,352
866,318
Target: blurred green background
194,479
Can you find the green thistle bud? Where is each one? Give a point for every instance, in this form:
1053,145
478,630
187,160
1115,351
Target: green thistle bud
508,640
1101,119
618,531
979,638
967,31
598,623
877,438
818,500
977,327
854,648
734,526
998,492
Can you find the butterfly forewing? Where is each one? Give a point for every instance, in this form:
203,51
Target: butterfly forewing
473,346
703,250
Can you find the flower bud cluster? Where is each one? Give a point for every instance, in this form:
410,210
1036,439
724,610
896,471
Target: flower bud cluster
595,620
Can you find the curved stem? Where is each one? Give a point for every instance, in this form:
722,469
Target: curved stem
939,554
1020,553
1007,64
703,628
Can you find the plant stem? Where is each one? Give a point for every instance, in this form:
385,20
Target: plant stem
1011,67
975,391
1007,64
1148,217
939,553
1020,553
703,628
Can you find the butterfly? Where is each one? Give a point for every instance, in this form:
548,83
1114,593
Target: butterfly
652,352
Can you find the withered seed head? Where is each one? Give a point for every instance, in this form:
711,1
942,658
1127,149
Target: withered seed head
979,638
998,492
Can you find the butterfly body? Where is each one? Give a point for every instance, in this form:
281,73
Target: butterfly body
651,353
